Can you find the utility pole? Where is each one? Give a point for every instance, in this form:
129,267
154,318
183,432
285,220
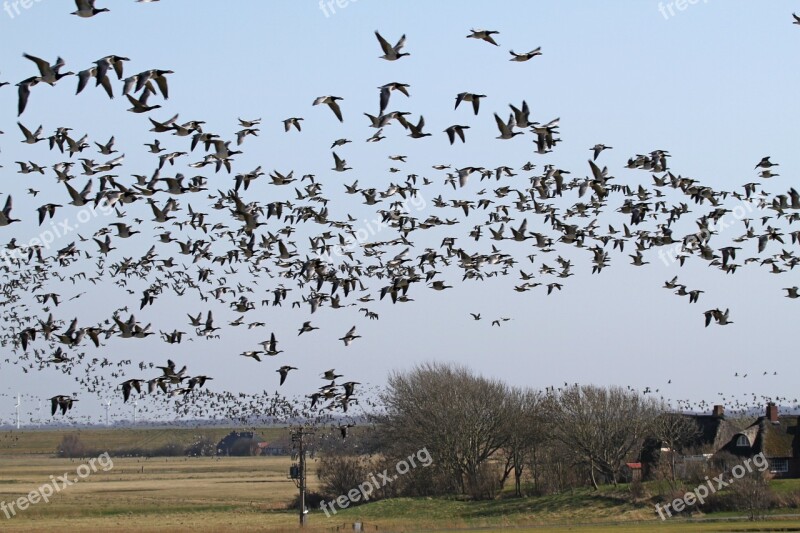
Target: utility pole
299,473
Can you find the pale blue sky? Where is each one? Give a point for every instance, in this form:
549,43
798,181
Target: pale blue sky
714,84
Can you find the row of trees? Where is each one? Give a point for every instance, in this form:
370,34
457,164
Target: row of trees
482,433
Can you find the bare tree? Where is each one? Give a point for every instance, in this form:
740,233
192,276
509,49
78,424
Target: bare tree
676,432
526,432
753,494
459,417
603,426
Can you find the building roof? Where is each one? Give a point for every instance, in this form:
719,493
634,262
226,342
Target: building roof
714,431
773,439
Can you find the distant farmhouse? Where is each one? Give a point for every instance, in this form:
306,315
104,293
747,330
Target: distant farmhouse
248,443
774,435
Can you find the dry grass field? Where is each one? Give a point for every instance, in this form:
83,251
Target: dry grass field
153,494
252,493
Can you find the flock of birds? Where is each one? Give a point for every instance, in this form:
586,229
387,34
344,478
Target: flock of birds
238,253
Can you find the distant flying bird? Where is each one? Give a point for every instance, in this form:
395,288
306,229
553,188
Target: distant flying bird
331,102
86,9
284,371
292,121
391,53
765,163
483,35
61,402
454,130
525,57
597,148
470,97
330,375
350,336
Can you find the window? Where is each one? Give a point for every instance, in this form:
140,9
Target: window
778,466
742,441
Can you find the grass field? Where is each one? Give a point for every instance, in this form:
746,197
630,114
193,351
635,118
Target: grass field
34,442
251,494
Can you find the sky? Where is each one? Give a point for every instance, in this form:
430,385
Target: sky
714,84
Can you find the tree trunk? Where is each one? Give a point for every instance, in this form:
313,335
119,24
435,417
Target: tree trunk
591,473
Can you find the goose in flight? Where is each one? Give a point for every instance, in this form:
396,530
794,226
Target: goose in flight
597,148
140,104
253,354
791,292
520,58
330,375
391,53
416,131
718,315
93,72
24,91
522,116
284,371
292,121
796,19
386,92
48,74
31,138
350,336
331,101
349,388
483,35
456,129
307,327
198,381
47,210
143,80
271,346
694,295
128,386
470,97
61,402
439,285
113,61
87,10
506,129
5,215
766,163
340,165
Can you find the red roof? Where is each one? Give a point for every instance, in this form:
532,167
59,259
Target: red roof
634,466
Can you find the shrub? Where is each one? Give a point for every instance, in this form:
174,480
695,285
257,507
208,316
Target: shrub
340,473
204,446
71,447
